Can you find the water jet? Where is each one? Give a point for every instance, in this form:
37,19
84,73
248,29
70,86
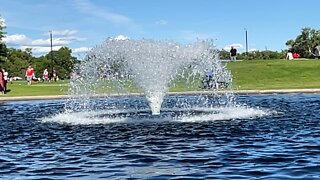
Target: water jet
119,65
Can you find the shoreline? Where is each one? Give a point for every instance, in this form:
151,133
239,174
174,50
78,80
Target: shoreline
237,92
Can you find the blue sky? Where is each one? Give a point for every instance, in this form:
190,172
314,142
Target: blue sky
83,24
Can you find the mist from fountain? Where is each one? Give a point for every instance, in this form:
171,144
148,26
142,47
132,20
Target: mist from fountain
121,64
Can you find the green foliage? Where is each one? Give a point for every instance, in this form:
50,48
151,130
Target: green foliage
2,27
3,51
305,42
267,54
223,54
3,47
17,60
63,62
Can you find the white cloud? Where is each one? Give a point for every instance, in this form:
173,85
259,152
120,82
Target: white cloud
62,38
161,22
16,39
81,50
235,45
40,50
60,41
23,40
68,40
89,8
121,38
39,42
65,32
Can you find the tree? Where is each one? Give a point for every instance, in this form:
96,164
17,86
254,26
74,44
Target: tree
40,64
63,62
2,27
305,43
29,52
17,61
3,47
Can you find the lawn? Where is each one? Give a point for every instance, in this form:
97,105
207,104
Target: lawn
247,75
275,74
20,88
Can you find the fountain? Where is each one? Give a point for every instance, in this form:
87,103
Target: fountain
124,65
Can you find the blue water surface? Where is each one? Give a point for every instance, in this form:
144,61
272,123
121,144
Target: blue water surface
273,137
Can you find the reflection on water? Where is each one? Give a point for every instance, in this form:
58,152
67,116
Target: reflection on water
267,137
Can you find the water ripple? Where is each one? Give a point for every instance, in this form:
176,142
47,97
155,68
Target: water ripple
275,137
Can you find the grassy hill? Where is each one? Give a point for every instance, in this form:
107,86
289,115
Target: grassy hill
275,74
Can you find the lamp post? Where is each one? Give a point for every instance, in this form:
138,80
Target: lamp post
51,54
246,41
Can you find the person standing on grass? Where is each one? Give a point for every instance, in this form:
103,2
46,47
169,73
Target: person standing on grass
1,82
45,76
233,54
316,52
29,74
54,75
209,78
5,78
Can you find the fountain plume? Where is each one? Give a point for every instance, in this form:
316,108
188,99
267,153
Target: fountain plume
149,64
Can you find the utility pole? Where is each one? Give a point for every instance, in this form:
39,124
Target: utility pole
246,41
51,54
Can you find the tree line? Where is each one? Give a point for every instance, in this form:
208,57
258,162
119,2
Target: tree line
15,61
305,44
267,54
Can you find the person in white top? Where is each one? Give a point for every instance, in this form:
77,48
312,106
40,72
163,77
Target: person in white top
289,55
45,76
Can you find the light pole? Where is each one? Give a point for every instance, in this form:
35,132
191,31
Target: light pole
51,54
246,41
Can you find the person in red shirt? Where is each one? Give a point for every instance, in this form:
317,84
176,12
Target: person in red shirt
2,89
29,74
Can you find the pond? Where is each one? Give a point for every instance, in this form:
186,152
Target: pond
265,136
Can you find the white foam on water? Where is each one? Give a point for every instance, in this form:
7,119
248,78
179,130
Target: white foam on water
82,118
113,116
226,113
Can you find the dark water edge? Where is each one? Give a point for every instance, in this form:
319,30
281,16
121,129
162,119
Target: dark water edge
282,145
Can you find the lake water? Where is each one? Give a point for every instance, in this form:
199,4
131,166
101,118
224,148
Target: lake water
265,137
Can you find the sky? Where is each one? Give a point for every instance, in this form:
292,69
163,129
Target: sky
84,24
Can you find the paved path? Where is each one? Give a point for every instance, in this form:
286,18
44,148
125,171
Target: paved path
278,91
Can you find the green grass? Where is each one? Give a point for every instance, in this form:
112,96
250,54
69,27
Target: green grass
275,74
20,88
247,75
